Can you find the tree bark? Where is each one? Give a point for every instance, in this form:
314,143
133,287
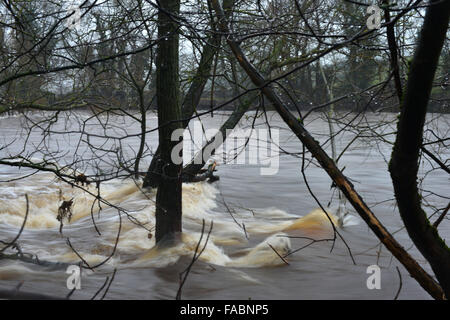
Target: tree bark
404,163
416,271
169,195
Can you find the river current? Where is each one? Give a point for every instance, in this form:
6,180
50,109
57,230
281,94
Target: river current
256,217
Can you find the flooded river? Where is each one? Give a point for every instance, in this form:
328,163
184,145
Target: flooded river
256,217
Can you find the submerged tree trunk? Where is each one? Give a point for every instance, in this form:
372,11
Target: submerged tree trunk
242,106
211,146
404,163
190,103
192,98
168,196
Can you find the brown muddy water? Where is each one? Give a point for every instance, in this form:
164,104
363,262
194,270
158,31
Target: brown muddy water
237,263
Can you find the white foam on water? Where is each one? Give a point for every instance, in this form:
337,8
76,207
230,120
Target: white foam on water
136,244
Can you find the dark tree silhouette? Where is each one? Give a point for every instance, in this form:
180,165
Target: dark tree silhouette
168,197
404,163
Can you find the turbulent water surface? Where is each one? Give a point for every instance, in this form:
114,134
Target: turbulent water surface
255,217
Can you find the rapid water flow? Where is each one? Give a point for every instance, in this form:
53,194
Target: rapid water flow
253,216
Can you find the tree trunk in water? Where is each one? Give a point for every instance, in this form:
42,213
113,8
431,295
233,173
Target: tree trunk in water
191,100
242,106
168,196
404,163
199,160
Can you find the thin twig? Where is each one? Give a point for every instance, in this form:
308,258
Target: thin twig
21,228
100,289
185,273
284,260
401,284
109,285
441,217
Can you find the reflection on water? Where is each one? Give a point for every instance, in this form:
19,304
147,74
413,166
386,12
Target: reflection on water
269,217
